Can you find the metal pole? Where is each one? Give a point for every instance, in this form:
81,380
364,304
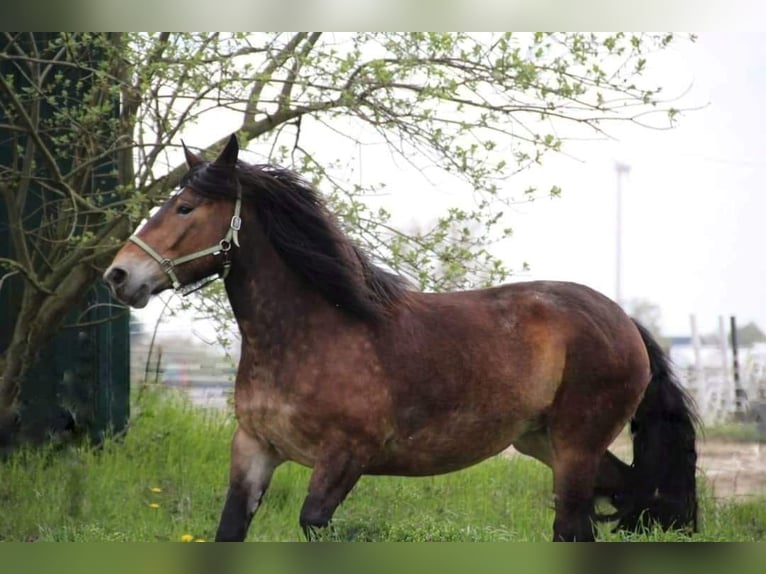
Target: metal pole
739,392
622,169
696,345
726,398
724,349
699,386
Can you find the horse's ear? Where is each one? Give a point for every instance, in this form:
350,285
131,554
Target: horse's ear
229,154
192,159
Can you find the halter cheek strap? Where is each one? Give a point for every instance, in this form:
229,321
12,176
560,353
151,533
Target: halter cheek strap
223,246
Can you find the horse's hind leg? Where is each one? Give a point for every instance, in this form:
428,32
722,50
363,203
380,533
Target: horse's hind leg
582,425
613,479
574,474
334,475
252,465
612,475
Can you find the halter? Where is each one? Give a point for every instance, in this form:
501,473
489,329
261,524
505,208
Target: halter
223,246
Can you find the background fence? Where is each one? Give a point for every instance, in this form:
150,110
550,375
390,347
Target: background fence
728,382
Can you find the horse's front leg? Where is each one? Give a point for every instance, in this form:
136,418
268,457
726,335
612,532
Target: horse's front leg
334,475
252,465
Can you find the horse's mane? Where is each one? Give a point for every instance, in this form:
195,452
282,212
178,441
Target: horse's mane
306,235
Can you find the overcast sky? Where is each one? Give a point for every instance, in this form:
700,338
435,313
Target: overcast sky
694,205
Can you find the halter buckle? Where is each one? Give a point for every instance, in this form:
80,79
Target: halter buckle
236,222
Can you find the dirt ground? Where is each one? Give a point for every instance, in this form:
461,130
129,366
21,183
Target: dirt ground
733,469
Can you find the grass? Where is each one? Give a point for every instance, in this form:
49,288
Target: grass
166,481
744,431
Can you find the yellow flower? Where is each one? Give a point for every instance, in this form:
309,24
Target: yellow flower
156,489
153,505
200,540
187,538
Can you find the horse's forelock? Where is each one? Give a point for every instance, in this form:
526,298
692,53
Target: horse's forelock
211,179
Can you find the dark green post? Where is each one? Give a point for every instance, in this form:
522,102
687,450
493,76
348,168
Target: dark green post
81,379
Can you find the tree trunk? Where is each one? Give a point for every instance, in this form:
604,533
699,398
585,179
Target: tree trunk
39,319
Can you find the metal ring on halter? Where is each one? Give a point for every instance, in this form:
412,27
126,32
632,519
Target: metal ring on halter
225,245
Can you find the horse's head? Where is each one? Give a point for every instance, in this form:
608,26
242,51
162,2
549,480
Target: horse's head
187,240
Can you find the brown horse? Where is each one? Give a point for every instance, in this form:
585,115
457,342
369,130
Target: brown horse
348,371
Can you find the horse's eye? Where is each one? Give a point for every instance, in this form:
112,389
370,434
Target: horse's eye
184,209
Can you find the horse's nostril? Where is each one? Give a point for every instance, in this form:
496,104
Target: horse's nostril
116,276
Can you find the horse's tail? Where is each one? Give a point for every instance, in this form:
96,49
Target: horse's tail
662,482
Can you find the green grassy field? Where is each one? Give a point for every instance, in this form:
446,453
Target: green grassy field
166,481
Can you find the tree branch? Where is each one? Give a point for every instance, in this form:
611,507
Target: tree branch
28,274
263,78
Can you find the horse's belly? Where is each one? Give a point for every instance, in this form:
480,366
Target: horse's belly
446,448
411,446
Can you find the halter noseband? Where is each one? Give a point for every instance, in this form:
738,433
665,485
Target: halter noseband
223,246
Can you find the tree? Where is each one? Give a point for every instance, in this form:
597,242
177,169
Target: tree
480,107
747,336
649,315
750,334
